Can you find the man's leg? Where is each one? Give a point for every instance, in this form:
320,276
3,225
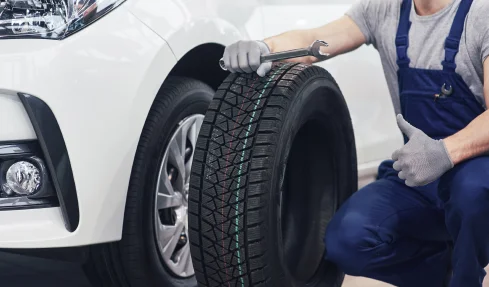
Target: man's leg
465,193
393,233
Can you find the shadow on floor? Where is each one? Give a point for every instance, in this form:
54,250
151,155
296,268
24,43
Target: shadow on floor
24,271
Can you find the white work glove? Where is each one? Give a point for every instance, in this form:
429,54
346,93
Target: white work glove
422,159
244,57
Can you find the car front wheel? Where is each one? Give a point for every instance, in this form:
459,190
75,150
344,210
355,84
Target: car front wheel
155,248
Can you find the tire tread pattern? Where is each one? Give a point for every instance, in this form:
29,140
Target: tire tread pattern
231,172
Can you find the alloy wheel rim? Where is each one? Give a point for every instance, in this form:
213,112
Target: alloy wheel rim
171,203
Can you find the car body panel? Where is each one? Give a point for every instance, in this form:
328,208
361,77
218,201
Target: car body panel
34,228
190,23
118,65
14,121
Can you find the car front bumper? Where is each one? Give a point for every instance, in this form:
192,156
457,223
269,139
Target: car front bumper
99,84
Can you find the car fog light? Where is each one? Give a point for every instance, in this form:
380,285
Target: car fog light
22,178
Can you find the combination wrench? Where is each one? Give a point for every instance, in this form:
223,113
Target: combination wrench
313,50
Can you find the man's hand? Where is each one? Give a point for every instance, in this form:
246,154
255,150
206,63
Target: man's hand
245,57
422,159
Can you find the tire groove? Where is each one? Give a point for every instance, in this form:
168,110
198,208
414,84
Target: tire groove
286,67
204,159
225,173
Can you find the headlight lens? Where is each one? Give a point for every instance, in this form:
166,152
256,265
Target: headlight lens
54,19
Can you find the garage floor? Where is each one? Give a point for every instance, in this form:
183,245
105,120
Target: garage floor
363,282
23,271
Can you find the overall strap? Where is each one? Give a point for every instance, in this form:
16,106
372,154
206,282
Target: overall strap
452,43
402,37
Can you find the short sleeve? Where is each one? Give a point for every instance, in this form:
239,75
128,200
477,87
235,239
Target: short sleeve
485,42
481,26
368,14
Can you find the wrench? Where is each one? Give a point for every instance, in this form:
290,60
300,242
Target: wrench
313,50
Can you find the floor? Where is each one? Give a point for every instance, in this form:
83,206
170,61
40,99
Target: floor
23,271
363,282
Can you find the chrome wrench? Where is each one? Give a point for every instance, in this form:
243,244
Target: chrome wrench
313,50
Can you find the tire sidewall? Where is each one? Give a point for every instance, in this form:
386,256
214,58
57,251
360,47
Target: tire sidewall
296,117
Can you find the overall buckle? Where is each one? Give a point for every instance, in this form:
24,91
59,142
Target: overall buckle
401,41
452,44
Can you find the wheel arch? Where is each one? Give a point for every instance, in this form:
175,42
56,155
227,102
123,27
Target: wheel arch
203,68
200,45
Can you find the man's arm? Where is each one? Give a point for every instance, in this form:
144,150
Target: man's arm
473,140
342,35
356,27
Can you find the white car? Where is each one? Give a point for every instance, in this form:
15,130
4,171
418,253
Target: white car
101,102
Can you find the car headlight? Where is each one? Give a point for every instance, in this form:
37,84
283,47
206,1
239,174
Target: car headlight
52,19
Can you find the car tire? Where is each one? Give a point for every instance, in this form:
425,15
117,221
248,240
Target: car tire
275,159
138,260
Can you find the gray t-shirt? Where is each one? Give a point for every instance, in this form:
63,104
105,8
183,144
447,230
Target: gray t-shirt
378,20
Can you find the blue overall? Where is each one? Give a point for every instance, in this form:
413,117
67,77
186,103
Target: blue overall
406,236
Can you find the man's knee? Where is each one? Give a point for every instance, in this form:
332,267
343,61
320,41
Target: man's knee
469,199
350,243
466,189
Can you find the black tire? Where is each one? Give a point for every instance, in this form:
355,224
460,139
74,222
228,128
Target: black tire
135,260
275,159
